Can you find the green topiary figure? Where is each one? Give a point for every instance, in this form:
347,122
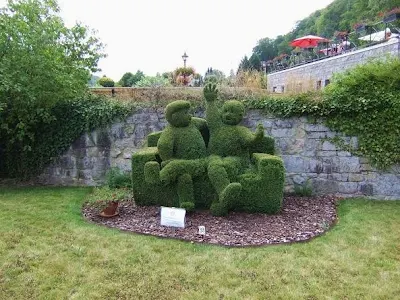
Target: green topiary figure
229,148
182,150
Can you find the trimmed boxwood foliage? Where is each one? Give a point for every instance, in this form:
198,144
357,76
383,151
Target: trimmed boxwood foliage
179,173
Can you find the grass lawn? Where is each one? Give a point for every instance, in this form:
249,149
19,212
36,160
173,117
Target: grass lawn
47,251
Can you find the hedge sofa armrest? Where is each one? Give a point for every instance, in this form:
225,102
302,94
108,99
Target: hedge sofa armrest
152,139
269,166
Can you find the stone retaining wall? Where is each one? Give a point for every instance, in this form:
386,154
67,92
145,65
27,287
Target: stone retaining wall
308,156
318,74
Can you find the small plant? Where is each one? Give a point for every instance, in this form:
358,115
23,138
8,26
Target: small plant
102,196
303,190
116,178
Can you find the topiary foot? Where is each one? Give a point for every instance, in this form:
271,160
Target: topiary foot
218,210
230,194
189,206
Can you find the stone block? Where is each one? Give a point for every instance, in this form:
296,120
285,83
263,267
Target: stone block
348,187
285,123
293,164
315,128
347,164
343,153
328,146
300,180
326,153
354,177
323,186
284,132
367,189
115,153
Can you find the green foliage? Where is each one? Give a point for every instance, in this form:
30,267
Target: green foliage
116,178
153,81
303,190
101,196
129,79
340,15
71,118
43,64
187,71
365,102
362,102
106,82
177,173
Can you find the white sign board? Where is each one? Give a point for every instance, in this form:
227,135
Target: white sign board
174,217
202,230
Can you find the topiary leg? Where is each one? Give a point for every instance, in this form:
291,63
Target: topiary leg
228,192
152,172
185,192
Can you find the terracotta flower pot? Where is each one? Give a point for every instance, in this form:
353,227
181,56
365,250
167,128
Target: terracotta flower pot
110,210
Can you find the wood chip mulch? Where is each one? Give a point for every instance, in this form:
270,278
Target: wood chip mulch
301,219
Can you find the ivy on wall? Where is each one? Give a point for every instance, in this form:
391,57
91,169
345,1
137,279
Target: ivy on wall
362,102
70,119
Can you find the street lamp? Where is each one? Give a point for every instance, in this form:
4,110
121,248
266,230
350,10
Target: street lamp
264,66
184,57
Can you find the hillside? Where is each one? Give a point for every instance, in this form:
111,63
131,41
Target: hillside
340,15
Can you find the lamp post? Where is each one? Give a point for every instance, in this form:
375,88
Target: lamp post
184,57
264,66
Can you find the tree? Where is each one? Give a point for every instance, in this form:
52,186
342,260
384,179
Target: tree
139,75
153,82
255,62
126,79
245,64
42,62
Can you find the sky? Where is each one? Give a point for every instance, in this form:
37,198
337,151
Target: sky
152,35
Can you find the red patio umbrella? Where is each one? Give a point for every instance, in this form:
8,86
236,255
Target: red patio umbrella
308,41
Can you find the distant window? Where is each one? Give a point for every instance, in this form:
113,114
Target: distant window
274,89
327,81
319,84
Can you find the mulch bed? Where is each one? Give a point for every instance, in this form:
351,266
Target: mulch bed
301,219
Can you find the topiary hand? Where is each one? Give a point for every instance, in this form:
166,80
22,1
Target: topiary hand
259,134
210,91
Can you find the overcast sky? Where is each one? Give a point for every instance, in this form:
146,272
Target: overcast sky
152,35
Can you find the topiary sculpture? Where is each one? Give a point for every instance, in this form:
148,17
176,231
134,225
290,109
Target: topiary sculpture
229,147
220,165
182,150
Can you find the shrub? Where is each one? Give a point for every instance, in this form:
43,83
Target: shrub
116,178
106,82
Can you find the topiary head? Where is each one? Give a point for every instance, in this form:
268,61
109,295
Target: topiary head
232,112
177,113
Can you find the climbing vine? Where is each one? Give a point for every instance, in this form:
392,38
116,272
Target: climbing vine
69,120
362,102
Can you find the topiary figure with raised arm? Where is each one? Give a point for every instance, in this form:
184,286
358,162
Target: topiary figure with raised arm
229,148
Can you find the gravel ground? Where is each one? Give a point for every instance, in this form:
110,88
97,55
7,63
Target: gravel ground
301,219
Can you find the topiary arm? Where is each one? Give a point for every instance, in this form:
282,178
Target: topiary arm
212,112
251,139
200,123
165,145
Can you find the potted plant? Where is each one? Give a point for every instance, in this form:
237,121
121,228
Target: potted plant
106,200
391,15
